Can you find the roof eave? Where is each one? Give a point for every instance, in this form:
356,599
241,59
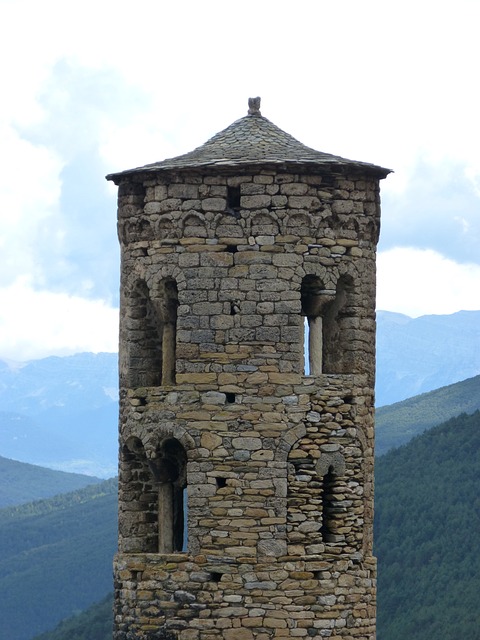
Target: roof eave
223,164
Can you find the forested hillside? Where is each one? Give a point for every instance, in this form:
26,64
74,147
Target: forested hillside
56,558
427,530
95,623
21,482
398,423
427,539
427,527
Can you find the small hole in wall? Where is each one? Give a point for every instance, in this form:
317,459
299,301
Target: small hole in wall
142,401
234,307
348,399
230,397
221,482
233,198
216,577
232,248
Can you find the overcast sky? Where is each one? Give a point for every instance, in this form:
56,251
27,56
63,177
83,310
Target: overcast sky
96,87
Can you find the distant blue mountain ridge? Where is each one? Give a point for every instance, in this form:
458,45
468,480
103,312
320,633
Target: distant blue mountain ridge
61,412
421,354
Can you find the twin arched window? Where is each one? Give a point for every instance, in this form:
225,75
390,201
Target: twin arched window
154,515
326,327
151,335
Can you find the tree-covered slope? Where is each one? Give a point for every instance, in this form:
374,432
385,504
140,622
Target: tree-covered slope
427,528
56,558
396,424
95,623
427,540
21,482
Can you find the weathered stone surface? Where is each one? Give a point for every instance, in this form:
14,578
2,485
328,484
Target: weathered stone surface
223,264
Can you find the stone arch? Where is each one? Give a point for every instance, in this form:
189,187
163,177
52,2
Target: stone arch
227,226
154,440
193,225
166,228
328,303
315,300
157,482
264,224
372,231
169,470
150,323
137,525
122,232
288,440
322,505
137,230
299,224
143,339
327,225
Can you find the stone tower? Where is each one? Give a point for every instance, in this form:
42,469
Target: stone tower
246,466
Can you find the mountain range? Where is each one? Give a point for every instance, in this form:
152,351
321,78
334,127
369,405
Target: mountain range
415,355
62,412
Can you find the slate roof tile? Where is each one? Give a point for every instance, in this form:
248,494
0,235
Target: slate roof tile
252,140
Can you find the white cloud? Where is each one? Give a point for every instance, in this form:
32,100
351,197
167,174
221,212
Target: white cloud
418,282
29,192
372,81
36,324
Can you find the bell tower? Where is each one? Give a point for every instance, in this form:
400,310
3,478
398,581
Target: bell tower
247,361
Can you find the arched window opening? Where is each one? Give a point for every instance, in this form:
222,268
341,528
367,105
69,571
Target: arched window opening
144,343
170,472
138,513
314,299
152,326
337,330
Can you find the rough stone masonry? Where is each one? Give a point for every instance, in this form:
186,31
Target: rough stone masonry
247,359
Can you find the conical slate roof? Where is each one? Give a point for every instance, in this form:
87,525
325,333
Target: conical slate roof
252,140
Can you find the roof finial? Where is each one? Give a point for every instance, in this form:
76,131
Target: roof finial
254,106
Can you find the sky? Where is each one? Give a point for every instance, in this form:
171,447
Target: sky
93,88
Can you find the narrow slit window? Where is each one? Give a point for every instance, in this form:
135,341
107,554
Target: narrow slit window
233,199
328,505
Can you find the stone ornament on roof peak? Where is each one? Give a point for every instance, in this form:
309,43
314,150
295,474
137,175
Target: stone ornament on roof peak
254,106
252,141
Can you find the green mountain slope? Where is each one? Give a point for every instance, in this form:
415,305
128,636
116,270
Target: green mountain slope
427,540
56,558
95,623
21,482
427,525
427,535
397,423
